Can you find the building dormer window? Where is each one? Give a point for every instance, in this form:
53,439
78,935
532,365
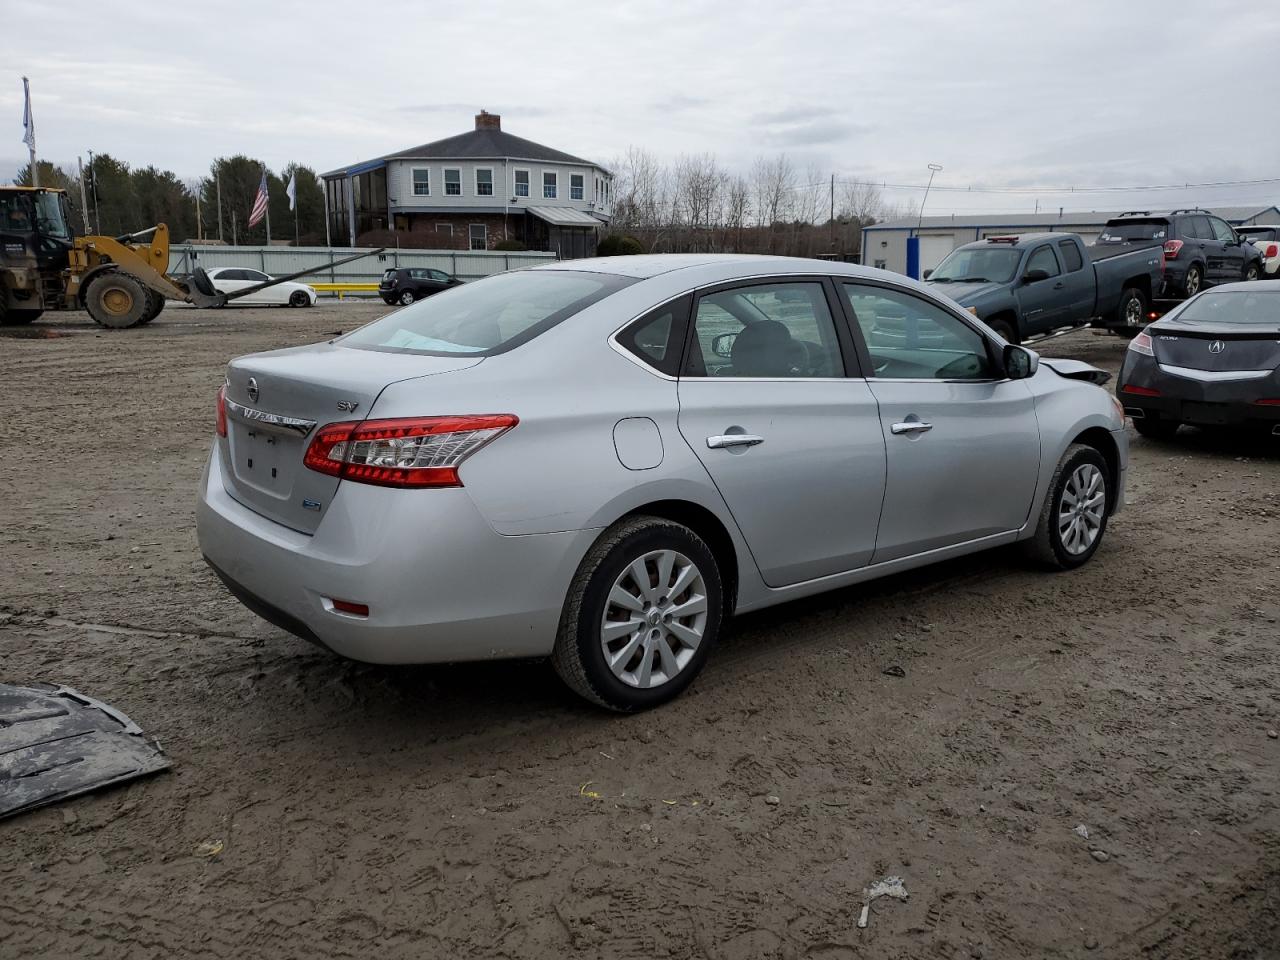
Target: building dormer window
452,183
575,186
550,185
484,181
421,182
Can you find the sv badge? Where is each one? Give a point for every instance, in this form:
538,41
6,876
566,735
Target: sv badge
346,406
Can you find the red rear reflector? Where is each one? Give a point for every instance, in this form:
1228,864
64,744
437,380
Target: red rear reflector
1139,391
355,609
403,452
222,411
1269,401
1171,248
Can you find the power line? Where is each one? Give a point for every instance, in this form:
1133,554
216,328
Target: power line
1211,184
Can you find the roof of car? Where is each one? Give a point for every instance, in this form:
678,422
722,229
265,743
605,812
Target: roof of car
643,266
1247,286
1019,239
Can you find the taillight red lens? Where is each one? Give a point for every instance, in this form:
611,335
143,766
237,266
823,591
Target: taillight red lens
1171,248
222,411
1142,344
1139,391
403,452
1269,401
1272,251
354,609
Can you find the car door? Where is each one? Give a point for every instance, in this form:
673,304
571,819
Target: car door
1197,227
788,433
251,278
1233,251
1040,302
229,280
962,442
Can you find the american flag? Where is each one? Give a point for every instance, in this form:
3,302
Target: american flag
259,203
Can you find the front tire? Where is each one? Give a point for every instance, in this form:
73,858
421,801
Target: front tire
407,297
641,616
1074,517
1005,329
116,300
299,298
1193,281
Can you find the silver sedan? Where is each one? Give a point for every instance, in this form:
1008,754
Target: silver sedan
599,461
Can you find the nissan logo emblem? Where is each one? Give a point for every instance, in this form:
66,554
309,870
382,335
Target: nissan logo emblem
1217,346
252,388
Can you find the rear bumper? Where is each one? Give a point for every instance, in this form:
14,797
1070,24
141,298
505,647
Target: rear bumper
1189,400
441,585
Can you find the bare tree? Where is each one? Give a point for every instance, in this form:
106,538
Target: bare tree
772,182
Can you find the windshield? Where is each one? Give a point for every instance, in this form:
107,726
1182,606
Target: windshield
1123,231
1231,307
49,216
1259,233
489,316
978,264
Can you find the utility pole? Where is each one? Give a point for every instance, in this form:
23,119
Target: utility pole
833,213
84,203
933,168
199,222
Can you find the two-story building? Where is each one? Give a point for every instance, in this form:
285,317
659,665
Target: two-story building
473,191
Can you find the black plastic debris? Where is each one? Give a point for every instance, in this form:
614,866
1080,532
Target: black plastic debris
56,743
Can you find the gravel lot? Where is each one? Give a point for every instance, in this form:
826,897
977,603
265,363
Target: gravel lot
482,811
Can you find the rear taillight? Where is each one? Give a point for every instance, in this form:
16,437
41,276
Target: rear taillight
1142,344
1272,250
1139,391
405,452
1268,402
222,411
1171,248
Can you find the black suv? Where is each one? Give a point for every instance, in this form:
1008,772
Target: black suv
407,284
1199,248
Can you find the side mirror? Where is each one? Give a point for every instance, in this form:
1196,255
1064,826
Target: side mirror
1035,276
1019,362
722,346
928,274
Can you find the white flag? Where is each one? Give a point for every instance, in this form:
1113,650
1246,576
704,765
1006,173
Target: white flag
291,191
28,121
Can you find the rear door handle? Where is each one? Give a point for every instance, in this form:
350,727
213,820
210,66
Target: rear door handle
733,440
1059,285
911,426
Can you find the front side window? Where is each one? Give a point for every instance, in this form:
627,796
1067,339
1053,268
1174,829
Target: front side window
479,236
550,185
1070,255
910,338
522,183
453,183
765,330
421,183
489,316
1043,259
484,182
1221,230
575,186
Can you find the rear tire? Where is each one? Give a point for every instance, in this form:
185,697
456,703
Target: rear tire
1005,329
116,300
406,297
1156,428
18,318
155,304
1193,281
1131,310
648,656
1073,519
1252,271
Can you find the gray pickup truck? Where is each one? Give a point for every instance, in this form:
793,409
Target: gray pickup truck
1029,284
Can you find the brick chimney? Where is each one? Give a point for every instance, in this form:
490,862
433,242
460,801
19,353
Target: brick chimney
488,121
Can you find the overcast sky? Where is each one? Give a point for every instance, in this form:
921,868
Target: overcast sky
1088,93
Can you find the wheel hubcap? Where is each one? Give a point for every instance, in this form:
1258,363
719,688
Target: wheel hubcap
1193,282
1133,311
1082,509
654,619
117,301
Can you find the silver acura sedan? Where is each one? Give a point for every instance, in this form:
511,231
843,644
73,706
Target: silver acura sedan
599,461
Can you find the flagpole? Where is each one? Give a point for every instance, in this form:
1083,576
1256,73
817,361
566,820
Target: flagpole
30,124
268,208
84,201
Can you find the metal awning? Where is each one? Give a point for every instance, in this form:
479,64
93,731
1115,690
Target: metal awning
564,216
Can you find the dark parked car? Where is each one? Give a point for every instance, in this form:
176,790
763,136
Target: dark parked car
1199,248
1212,361
1029,284
407,284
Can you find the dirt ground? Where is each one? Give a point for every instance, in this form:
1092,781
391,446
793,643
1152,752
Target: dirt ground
483,811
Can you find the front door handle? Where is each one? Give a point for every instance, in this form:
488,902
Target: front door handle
911,426
733,440
1059,285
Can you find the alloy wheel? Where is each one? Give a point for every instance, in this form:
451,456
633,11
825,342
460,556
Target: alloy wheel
1082,509
654,619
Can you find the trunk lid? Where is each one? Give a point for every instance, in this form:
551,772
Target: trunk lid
275,403
1216,346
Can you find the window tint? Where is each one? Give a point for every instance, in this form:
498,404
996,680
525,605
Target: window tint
910,338
1197,228
765,330
254,275
1120,231
1043,259
1070,255
438,275
489,316
658,338
1221,230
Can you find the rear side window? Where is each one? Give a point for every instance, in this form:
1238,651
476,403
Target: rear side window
489,316
1070,255
1197,228
658,337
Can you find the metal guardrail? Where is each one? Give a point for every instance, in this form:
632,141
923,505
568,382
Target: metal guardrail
342,289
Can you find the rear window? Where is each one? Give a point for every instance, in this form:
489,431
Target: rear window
1232,306
489,316
1124,231
1259,233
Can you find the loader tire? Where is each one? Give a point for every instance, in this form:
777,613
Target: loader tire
117,300
155,303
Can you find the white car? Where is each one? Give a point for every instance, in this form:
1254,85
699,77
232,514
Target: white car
1266,237
288,293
